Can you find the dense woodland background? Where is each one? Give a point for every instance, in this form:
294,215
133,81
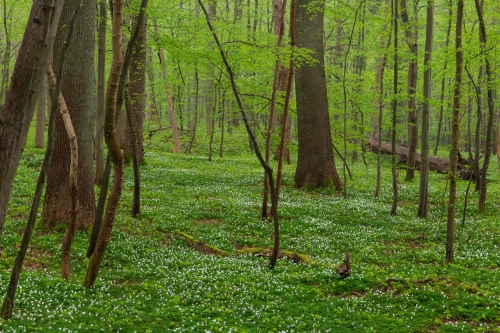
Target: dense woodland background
339,99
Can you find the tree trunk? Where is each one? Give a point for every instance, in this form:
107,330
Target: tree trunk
78,91
376,134
8,301
265,166
491,111
101,60
132,130
479,117
17,111
279,8
450,230
423,202
114,100
394,113
73,171
6,55
41,110
136,89
411,32
173,122
315,164
284,125
208,85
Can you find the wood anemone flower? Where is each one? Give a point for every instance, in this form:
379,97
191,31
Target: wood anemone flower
345,268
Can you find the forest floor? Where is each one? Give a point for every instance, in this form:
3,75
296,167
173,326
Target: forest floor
153,281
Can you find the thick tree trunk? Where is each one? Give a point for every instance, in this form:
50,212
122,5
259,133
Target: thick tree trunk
315,164
78,91
73,181
9,299
17,111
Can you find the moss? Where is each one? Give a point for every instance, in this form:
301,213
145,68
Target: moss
202,247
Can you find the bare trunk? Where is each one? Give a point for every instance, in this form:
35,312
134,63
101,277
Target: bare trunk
279,8
73,181
491,111
315,164
8,301
423,202
411,32
450,230
394,113
132,130
78,91
114,99
136,88
41,110
18,109
288,97
101,59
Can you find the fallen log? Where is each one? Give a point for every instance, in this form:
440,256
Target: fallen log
206,248
440,165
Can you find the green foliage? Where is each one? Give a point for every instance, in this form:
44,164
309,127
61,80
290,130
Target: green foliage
151,280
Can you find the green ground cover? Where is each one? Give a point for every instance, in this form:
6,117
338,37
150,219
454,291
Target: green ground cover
152,281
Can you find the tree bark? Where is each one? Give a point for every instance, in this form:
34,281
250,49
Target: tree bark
78,91
41,110
17,111
315,164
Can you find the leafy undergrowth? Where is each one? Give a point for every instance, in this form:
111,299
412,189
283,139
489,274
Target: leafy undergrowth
152,281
